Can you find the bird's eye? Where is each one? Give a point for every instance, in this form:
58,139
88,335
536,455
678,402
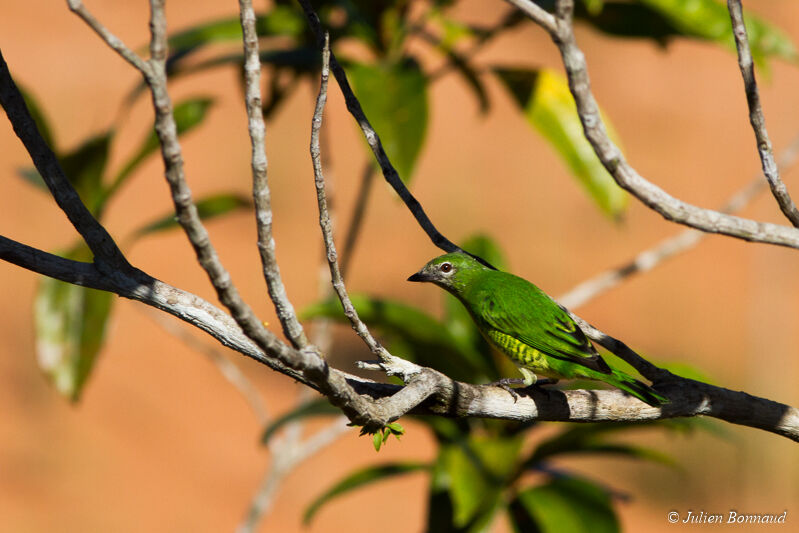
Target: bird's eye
445,267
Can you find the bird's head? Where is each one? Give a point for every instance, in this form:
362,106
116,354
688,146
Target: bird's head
452,272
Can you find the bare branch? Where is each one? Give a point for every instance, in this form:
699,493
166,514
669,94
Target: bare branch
285,459
536,12
373,139
687,239
443,395
305,365
610,155
756,117
324,217
77,7
687,398
107,254
260,185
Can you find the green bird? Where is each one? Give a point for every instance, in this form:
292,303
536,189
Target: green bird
528,326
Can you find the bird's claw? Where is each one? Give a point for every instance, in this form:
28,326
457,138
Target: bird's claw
506,384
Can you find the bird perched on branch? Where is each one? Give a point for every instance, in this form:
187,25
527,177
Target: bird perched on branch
528,326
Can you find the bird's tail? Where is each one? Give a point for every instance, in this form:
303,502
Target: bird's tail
640,390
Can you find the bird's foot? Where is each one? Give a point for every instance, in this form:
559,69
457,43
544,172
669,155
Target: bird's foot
506,383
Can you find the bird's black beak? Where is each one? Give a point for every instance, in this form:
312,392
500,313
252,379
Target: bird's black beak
419,276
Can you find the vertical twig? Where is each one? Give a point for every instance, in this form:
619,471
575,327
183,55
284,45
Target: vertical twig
260,185
756,118
373,139
286,457
324,216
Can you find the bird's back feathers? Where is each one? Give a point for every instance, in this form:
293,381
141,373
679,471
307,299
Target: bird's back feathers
517,308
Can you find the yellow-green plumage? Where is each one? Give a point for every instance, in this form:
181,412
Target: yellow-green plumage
519,352
525,324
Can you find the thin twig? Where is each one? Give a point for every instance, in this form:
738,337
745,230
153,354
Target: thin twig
260,184
324,217
185,209
685,240
285,459
154,73
77,7
536,13
756,118
373,139
625,175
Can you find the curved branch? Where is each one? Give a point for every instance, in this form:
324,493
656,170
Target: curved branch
626,176
671,246
756,117
97,238
441,395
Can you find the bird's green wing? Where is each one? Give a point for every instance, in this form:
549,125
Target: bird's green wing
518,308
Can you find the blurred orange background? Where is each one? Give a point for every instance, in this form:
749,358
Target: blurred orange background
162,442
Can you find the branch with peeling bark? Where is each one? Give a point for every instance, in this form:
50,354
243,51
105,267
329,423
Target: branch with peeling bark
365,402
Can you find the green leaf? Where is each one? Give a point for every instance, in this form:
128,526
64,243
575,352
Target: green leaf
396,428
420,337
361,478
188,115
378,440
710,19
320,407
70,323
486,247
207,208
478,470
394,98
544,97
564,505
593,6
